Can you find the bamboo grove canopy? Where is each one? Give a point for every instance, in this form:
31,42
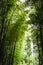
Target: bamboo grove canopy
21,32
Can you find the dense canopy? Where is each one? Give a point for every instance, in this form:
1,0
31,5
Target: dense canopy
21,32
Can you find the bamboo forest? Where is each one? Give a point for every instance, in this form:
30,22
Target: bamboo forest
21,32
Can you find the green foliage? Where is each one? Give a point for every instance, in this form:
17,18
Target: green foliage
16,36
